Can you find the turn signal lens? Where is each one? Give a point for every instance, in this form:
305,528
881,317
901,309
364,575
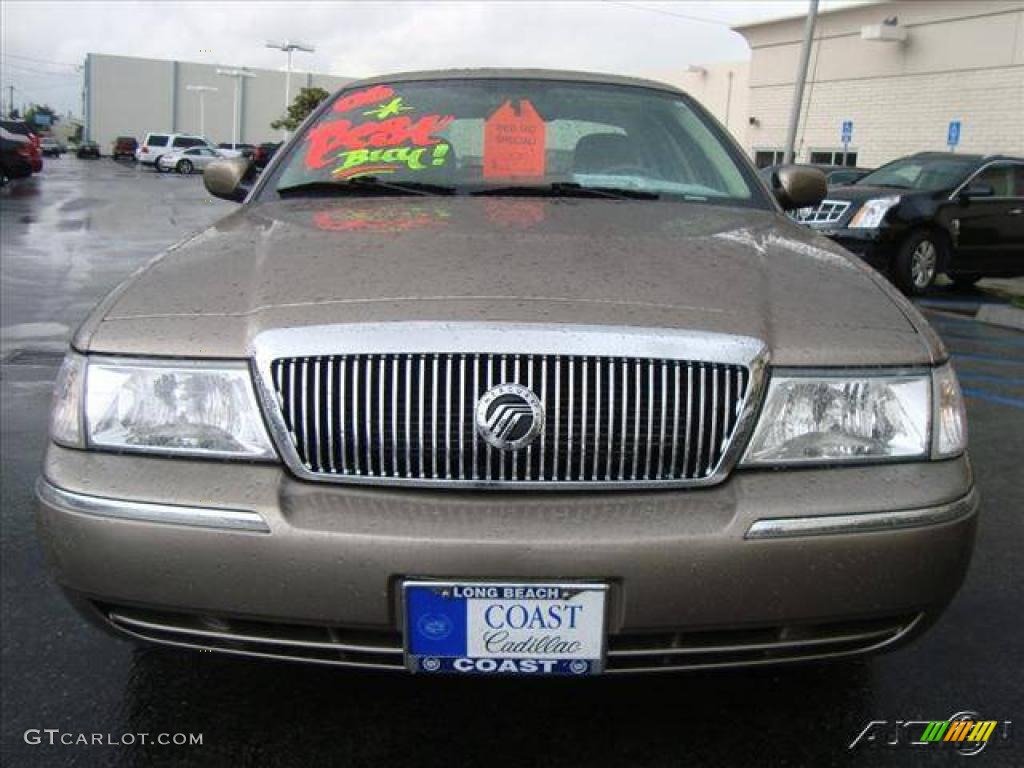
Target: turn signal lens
66,410
950,416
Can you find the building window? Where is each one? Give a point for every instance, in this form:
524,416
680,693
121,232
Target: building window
765,157
833,157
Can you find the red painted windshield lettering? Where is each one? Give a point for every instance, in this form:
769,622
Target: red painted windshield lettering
326,140
372,95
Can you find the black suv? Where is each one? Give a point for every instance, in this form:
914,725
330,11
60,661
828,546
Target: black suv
931,213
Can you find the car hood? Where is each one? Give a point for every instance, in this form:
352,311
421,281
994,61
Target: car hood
858,194
551,261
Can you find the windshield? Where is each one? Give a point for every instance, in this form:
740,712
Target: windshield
925,173
484,136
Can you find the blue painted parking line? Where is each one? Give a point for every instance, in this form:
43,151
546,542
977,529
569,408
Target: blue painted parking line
967,306
937,320
1008,381
988,358
992,397
979,339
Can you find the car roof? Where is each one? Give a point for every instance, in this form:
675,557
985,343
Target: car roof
16,126
976,157
513,74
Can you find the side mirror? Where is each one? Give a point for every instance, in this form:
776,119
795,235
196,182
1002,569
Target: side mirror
977,189
799,187
227,178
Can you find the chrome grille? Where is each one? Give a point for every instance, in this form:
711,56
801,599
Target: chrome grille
412,416
826,212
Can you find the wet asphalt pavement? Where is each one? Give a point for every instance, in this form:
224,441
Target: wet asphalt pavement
71,234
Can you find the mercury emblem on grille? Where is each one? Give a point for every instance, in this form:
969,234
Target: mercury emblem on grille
509,416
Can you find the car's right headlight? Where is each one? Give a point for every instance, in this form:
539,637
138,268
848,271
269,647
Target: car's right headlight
813,418
194,408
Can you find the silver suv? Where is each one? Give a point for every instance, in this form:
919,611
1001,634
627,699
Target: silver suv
157,144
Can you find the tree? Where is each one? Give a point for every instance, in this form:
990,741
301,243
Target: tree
305,102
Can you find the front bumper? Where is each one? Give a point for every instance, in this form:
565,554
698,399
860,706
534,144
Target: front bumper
303,570
877,247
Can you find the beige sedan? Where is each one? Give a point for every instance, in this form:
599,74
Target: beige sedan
509,372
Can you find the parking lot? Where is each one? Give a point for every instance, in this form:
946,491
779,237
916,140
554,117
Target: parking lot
74,231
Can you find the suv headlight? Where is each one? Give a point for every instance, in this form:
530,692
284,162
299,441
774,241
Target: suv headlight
859,417
192,408
871,213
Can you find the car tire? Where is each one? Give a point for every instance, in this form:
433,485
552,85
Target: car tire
918,262
185,167
965,280
158,167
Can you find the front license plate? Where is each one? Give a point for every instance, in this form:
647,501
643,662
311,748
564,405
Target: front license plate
511,629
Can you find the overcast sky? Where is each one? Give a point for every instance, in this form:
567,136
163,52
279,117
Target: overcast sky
43,42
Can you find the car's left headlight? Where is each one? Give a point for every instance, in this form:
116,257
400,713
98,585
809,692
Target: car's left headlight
871,213
193,408
818,418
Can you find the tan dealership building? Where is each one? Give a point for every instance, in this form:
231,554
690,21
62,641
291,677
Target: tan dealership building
126,96
900,71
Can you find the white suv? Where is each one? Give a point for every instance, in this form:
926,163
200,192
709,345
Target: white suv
157,144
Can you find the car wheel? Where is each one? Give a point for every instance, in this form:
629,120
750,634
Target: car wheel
917,263
185,166
965,280
159,168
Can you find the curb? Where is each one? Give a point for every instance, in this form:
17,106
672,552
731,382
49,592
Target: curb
1003,315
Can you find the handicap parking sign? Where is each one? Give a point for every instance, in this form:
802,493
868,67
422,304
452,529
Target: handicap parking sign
953,136
847,131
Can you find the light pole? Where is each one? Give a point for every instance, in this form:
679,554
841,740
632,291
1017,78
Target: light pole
202,90
289,46
238,74
801,77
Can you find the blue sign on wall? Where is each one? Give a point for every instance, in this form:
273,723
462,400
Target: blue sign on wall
953,136
847,131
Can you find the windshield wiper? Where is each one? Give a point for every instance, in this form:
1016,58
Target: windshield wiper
362,185
567,189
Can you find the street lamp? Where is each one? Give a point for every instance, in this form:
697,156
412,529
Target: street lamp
238,74
202,90
289,46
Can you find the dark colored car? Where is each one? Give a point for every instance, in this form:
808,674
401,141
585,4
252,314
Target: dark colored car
88,149
15,156
929,214
513,372
124,146
246,150
265,152
835,175
22,129
50,147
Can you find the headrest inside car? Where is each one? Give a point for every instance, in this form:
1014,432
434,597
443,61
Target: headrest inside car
603,152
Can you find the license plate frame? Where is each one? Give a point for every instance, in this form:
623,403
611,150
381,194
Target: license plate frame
447,628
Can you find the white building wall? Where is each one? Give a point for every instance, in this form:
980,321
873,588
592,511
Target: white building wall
217,105
963,60
131,97
127,97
